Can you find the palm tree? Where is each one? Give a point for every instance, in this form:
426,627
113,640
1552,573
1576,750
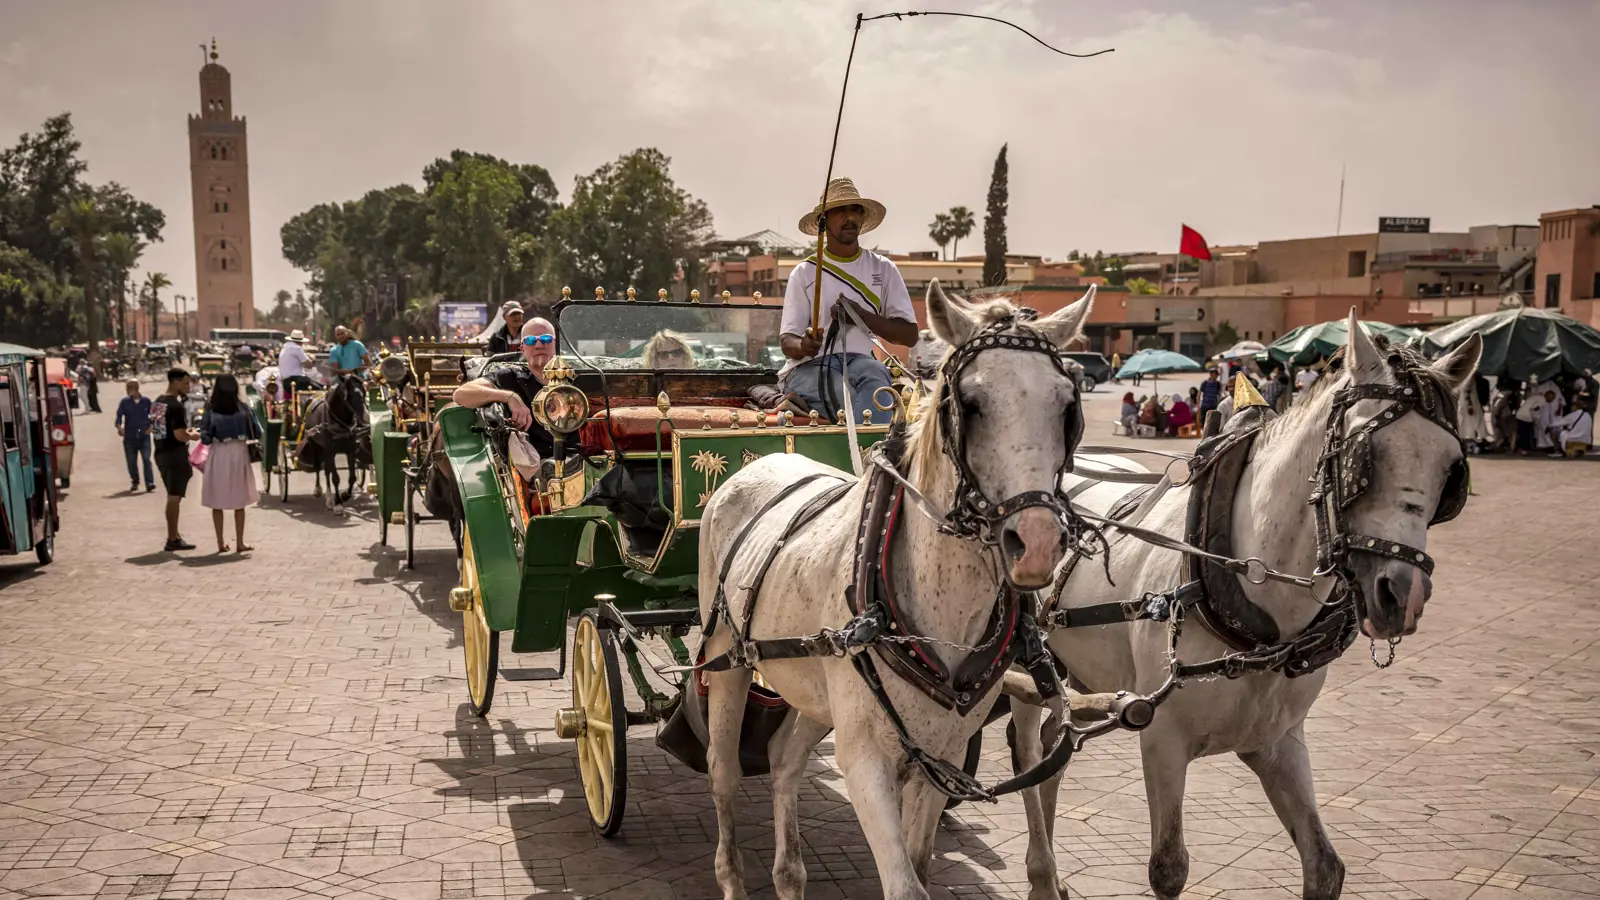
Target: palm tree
122,253
1141,286
961,224
83,220
939,230
153,283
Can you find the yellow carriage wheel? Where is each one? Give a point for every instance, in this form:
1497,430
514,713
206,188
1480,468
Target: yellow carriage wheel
602,729
481,645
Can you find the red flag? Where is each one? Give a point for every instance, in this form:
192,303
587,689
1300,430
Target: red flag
1192,244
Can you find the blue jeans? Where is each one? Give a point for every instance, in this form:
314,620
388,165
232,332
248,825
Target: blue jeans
817,386
135,449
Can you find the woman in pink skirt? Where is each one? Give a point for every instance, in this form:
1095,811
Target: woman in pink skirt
230,478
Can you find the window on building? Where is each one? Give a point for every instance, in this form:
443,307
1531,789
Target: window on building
224,264
224,244
1552,289
1357,264
224,206
213,152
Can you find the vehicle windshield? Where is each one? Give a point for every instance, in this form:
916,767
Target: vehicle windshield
647,335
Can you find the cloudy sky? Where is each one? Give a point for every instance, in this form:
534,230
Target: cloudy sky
1234,116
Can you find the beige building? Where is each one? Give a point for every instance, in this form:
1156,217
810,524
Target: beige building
1569,257
219,177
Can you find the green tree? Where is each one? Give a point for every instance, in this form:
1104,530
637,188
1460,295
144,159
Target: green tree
1141,286
468,219
994,223
122,252
961,225
151,292
35,308
1221,336
1073,256
82,220
939,230
628,225
1112,268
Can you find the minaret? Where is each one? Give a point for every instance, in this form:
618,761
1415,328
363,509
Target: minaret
219,175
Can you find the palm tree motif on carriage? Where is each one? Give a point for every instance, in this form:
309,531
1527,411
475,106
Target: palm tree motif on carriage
747,457
712,466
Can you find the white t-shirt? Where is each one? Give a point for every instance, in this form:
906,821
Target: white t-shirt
1305,379
869,280
292,360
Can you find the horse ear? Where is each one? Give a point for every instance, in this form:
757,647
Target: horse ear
1065,325
1361,356
950,321
1460,364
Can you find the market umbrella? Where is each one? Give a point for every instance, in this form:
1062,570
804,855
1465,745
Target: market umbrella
1157,362
1241,350
1522,342
1310,344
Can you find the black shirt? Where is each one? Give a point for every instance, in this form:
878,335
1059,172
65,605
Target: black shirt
167,416
502,342
521,381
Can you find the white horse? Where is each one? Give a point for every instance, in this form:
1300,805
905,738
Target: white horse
1260,717
1013,404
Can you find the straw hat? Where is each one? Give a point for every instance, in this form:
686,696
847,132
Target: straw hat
296,336
842,192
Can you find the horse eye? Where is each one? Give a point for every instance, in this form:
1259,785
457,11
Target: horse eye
970,409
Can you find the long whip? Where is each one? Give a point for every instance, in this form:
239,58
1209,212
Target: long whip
822,202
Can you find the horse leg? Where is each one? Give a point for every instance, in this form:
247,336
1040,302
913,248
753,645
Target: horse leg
788,755
1166,770
1285,772
874,784
331,469
725,699
1039,803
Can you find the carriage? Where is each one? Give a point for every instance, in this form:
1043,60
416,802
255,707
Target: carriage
607,530
209,365
413,388
30,503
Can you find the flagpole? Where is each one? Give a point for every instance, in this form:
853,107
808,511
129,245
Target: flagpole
1338,222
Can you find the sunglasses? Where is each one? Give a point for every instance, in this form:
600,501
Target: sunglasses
532,339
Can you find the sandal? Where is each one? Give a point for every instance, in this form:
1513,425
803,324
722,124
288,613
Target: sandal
223,548
245,548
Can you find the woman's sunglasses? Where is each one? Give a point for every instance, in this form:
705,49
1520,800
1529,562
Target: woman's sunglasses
530,340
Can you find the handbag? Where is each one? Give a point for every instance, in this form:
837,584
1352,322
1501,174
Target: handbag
198,454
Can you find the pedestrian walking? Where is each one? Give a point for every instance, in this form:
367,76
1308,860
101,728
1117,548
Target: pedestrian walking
133,424
227,426
169,431
89,384
1116,363
1210,394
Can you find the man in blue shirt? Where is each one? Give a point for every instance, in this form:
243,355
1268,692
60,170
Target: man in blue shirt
133,423
348,355
1210,394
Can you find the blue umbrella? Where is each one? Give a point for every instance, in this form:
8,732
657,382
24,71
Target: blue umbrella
1157,362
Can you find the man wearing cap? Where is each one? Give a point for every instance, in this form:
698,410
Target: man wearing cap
872,286
505,340
292,365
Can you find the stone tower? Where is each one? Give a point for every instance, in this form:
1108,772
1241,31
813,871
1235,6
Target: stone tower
219,175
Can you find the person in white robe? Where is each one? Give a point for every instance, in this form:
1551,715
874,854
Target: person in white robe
1575,432
1469,417
1545,417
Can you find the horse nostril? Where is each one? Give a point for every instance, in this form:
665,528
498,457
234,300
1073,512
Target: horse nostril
1011,544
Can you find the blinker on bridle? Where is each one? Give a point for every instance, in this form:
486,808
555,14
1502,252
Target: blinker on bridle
973,515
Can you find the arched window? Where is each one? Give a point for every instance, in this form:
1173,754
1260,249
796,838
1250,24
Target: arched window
213,151
224,264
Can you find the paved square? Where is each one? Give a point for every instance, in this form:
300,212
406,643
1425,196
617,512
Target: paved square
291,725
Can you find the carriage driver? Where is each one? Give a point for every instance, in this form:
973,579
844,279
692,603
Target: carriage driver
868,281
515,386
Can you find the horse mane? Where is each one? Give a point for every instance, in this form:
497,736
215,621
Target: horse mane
1399,358
924,444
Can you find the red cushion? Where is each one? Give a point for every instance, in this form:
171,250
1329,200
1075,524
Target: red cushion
635,427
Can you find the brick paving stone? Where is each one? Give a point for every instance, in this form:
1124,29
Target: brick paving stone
292,725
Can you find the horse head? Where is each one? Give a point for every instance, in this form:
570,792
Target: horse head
1413,473
1008,420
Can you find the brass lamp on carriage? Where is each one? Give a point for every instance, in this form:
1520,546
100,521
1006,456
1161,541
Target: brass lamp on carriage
561,408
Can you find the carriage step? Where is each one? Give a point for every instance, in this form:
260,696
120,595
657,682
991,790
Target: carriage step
542,674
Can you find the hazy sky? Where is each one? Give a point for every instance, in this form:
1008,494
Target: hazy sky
1231,115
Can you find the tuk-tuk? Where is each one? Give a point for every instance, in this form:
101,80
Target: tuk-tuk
60,397
29,502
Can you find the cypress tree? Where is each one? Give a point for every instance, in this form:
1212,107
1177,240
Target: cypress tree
994,224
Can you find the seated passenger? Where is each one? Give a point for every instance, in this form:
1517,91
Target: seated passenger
516,387
667,350
1178,416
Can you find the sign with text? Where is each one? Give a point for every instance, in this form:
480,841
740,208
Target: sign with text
1403,224
1180,315
462,315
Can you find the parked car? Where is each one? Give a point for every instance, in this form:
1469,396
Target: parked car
1096,368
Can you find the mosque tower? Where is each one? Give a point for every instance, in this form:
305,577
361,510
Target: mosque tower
219,176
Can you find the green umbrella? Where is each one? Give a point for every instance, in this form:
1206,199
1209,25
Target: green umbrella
1311,344
1522,342
1157,362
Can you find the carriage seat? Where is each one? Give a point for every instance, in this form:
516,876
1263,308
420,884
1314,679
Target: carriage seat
635,426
